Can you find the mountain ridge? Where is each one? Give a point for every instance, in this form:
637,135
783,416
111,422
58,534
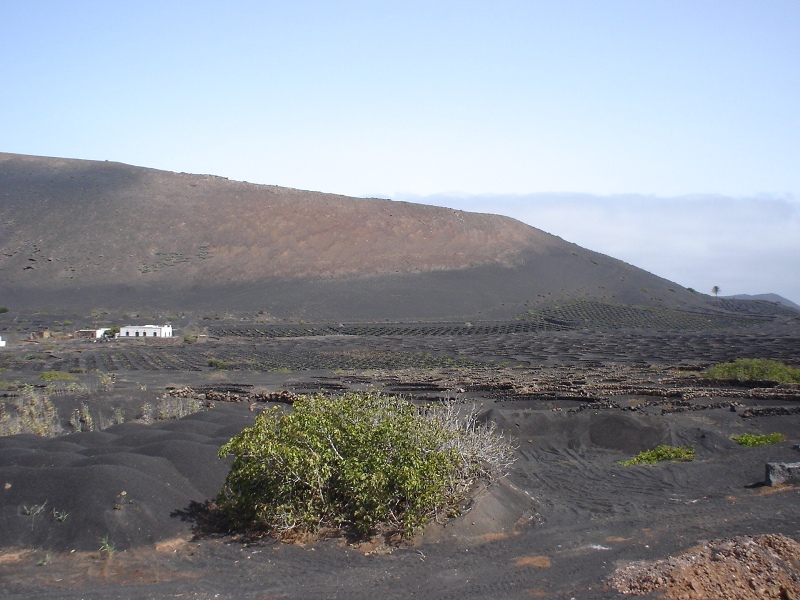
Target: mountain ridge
774,298
88,233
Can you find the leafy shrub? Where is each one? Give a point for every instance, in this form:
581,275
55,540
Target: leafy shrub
360,462
749,369
3,309
57,376
750,439
221,365
659,453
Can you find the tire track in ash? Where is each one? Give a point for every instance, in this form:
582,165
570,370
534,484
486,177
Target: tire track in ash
576,483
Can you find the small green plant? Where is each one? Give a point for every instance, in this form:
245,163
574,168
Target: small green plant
221,365
754,369
57,376
107,547
146,415
117,416
659,453
33,509
81,419
60,515
750,439
106,381
362,462
3,309
48,558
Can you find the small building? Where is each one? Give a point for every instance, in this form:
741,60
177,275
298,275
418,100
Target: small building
2,342
90,334
130,331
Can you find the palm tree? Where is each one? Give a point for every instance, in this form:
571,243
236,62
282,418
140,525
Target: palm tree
715,290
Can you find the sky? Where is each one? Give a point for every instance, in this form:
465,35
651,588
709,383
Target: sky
664,133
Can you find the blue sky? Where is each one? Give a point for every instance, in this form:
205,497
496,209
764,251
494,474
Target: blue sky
688,109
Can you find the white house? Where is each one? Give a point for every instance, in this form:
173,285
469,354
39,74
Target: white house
130,331
2,343
90,333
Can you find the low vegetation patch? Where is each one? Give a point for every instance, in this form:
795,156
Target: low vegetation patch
30,412
750,439
221,365
168,408
81,419
57,376
754,369
659,453
358,463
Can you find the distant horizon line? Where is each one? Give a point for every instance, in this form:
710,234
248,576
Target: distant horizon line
455,194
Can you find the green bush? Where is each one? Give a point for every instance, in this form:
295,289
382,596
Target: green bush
750,369
750,439
659,453
359,463
221,365
57,376
3,309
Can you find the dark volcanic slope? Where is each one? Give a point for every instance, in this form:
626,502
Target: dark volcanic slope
85,234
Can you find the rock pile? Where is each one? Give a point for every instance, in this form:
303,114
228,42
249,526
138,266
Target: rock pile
741,568
212,395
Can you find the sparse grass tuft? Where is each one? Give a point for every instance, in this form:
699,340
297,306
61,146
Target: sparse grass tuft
750,439
57,376
33,510
60,515
106,381
659,453
48,558
169,407
107,547
31,412
81,419
221,365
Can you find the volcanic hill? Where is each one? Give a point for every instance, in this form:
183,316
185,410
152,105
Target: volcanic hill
83,234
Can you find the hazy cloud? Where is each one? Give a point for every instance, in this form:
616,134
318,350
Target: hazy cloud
743,245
